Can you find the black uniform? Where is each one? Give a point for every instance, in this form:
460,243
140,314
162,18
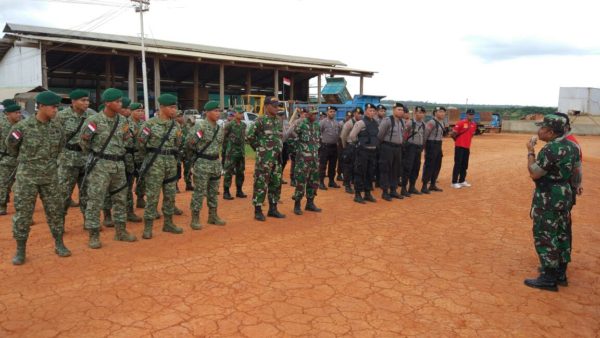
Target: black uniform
366,156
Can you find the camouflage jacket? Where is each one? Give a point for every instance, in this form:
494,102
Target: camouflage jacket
7,158
558,159
37,146
201,135
265,137
307,145
135,127
152,132
69,120
235,136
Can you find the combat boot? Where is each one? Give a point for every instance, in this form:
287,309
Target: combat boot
168,225
322,184
122,235
332,184
140,203
424,189
195,223
561,278
177,211
148,224
108,222
340,177
19,258
310,205
132,217
227,194
395,194
369,197
545,281
404,192
3,209
59,246
240,193
258,214
94,242
158,215
189,187
413,191
273,212
358,198
297,207
433,187
349,189
386,196
213,218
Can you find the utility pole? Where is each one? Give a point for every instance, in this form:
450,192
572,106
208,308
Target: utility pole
142,6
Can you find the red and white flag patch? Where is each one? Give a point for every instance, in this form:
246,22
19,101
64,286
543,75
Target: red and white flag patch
92,126
146,131
16,135
199,133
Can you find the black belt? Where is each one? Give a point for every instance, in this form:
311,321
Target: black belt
208,157
163,151
116,158
130,150
434,141
74,146
4,153
395,145
329,144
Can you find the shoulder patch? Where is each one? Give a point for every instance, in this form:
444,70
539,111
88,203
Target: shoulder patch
16,135
92,126
146,131
199,133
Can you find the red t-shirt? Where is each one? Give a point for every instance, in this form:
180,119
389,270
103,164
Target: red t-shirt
572,138
465,131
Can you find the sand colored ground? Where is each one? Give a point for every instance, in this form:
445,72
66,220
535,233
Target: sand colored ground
447,264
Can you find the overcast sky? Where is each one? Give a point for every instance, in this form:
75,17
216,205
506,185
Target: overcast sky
489,52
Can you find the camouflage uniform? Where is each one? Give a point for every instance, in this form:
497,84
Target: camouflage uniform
8,164
187,157
306,168
235,134
138,158
206,169
72,159
265,137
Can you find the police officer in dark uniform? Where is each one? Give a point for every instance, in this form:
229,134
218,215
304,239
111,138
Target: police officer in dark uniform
391,136
349,149
330,133
365,133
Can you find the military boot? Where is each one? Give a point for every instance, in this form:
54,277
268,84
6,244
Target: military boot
239,192
258,214
413,191
349,189
332,184
3,209
322,184
177,211
148,224
94,242
121,234
108,222
433,187
213,218
561,278
310,205
545,281
59,246
297,207
140,203
358,198
424,189
168,225
19,258
158,215
395,194
189,187
369,197
404,192
195,223
340,177
385,195
227,194
132,217
273,212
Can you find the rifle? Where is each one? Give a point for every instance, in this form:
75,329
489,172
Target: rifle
149,161
91,161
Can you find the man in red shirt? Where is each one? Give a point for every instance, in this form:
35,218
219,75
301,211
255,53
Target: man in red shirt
462,133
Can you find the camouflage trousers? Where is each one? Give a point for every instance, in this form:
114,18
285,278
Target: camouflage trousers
5,184
107,199
187,171
105,187
140,190
306,175
235,164
207,176
162,175
551,237
267,181
68,176
26,192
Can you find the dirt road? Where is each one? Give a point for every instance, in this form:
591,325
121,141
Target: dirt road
451,263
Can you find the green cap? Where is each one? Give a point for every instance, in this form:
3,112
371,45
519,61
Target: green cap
167,100
211,105
8,102
48,98
78,93
12,108
111,94
136,106
554,122
126,102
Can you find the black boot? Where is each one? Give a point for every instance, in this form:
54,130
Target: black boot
226,194
332,184
239,192
414,191
349,189
395,194
545,281
322,184
19,258
310,205
561,278
339,177
386,196
189,187
404,192
369,197
273,212
108,221
59,246
433,187
258,214
297,207
424,189
358,198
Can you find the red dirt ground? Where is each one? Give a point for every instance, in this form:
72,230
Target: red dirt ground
447,264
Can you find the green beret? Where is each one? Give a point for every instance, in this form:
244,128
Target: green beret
8,102
48,98
167,100
78,93
211,105
126,102
239,109
135,106
111,94
12,108
101,107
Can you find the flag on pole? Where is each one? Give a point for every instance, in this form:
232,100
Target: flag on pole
287,81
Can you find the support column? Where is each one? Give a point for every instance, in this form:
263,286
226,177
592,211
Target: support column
362,83
222,86
156,81
276,83
196,94
248,83
107,73
44,67
291,88
319,89
131,80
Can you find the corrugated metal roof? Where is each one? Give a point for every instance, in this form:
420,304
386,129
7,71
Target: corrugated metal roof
121,41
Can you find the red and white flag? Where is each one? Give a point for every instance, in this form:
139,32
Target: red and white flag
199,133
92,127
16,134
287,81
146,131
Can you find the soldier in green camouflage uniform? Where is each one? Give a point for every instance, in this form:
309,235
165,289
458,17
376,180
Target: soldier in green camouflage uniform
136,122
130,154
36,142
188,125
235,164
265,137
108,176
205,142
162,174
556,165
8,161
306,168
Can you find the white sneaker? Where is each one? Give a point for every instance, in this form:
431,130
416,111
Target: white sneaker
456,185
465,184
